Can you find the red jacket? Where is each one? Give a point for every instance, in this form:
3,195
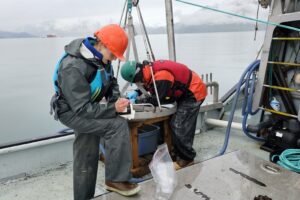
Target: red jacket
174,80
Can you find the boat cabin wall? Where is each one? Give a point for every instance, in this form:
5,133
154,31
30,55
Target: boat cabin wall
284,7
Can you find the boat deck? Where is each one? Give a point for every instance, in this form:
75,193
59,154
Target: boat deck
57,183
234,176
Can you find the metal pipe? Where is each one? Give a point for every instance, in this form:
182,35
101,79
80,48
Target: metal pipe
145,104
124,27
132,35
223,123
282,88
210,79
170,30
123,11
155,88
216,90
131,41
36,144
147,44
286,38
284,63
145,35
279,113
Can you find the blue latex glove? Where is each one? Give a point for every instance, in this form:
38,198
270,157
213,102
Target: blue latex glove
132,94
132,101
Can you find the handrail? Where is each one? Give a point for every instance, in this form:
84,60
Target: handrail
22,147
61,133
216,90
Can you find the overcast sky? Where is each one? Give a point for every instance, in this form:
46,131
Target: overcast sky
51,15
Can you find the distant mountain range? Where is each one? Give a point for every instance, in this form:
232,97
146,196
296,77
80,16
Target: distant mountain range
6,34
179,28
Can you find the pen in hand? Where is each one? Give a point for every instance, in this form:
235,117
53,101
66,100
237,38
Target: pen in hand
121,104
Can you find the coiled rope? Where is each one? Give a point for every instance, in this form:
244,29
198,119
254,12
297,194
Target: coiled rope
289,159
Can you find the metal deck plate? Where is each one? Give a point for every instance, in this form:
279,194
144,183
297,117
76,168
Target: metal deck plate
234,176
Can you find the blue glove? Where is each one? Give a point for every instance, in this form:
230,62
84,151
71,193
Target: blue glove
132,94
132,101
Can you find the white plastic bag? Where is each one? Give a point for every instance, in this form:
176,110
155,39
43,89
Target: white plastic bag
163,172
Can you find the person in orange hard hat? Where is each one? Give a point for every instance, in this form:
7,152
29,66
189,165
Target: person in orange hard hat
174,82
83,77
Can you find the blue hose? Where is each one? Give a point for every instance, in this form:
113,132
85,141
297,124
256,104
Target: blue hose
247,105
246,110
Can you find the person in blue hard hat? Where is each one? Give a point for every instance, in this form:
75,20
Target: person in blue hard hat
84,77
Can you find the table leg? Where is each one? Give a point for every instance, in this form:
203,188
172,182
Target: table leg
167,134
134,140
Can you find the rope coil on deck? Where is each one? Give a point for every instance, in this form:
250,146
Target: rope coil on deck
289,159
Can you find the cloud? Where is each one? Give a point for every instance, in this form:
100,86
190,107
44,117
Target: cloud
78,17
68,26
203,16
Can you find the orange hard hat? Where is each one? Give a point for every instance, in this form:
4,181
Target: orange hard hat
114,38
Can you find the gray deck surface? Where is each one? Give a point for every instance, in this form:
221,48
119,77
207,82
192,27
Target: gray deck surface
57,183
235,176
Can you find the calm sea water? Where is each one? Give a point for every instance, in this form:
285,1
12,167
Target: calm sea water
27,65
